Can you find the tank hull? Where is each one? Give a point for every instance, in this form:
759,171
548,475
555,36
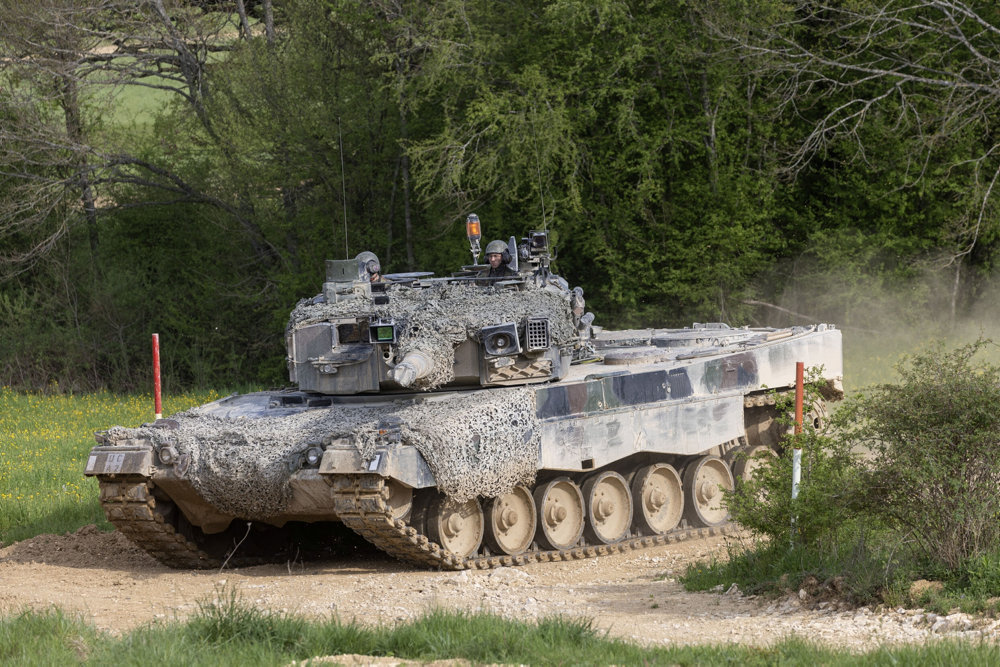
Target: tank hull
627,452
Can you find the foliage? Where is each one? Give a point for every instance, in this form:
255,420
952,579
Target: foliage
859,564
694,161
828,480
934,462
903,487
638,174
982,574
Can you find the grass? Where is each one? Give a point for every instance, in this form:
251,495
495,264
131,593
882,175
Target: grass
44,441
858,564
228,631
137,106
871,358
868,566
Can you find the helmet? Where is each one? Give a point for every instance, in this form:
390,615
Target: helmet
372,267
496,248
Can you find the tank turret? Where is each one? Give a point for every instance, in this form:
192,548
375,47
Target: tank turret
416,331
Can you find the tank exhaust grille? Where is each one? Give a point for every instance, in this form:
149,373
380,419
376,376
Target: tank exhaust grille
537,334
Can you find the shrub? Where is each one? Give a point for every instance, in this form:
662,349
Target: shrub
933,443
825,499
982,575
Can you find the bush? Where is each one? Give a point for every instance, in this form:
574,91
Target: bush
982,575
826,491
932,469
920,457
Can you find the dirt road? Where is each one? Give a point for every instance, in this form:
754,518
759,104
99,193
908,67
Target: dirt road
635,596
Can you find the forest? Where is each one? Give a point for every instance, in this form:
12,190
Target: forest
186,166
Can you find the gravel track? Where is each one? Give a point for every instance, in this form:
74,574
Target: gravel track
635,596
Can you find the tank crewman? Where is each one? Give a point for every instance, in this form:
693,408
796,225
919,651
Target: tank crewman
497,256
374,272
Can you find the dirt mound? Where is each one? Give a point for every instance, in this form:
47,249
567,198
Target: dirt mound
87,547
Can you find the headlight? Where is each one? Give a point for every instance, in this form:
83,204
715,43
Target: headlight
500,340
313,456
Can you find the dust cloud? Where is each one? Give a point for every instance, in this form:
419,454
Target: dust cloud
884,318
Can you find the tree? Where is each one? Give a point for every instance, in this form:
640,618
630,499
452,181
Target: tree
924,74
67,167
64,59
625,130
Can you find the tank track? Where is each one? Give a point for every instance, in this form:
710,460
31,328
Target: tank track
360,504
132,509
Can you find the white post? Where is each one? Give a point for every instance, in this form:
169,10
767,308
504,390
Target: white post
796,472
797,451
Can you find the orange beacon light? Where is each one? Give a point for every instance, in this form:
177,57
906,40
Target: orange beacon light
474,232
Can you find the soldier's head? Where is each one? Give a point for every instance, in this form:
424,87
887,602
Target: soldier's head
495,252
374,270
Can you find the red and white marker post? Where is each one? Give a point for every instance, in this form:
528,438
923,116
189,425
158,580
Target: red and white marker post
157,403
797,451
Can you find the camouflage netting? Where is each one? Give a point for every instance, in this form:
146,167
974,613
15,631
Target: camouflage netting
476,444
240,465
434,320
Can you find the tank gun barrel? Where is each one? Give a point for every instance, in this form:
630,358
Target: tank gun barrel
414,366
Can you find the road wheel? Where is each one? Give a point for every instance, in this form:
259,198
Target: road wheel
399,498
510,522
658,499
705,479
457,527
560,513
748,461
609,508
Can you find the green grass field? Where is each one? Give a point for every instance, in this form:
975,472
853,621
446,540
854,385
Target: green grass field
44,440
137,106
231,632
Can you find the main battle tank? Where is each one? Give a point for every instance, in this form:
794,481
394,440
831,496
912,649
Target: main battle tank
463,421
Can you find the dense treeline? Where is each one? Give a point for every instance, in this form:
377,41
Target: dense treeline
756,163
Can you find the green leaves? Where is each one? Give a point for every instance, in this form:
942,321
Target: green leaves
934,463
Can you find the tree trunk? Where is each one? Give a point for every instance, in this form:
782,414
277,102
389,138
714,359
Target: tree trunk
955,291
407,220
392,214
241,9
70,102
268,21
710,134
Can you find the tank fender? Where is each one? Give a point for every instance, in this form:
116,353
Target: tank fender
403,463
135,459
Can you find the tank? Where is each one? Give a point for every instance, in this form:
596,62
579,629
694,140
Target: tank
463,422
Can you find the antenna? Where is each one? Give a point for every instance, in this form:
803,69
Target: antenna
541,193
343,185
538,170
